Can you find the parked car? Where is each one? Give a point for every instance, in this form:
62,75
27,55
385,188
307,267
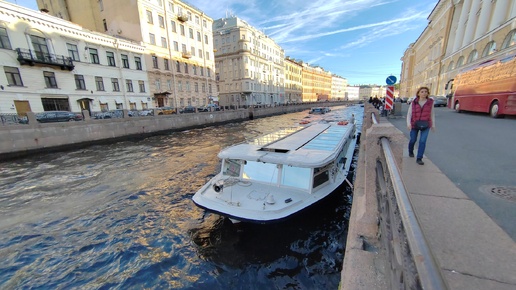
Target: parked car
440,101
166,111
58,116
188,109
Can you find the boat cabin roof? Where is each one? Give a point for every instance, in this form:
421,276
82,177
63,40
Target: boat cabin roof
311,146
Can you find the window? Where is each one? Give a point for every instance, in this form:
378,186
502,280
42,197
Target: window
510,39
186,67
13,76
4,39
259,171
94,55
138,62
460,62
155,61
203,87
489,49
199,36
183,48
161,21
206,39
208,72
450,66
115,85
169,84
295,176
204,24
170,6
165,64
178,66
209,88
99,82
195,70
196,87
190,31
50,79
472,56
182,29
79,82
141,85
192,50
197,20
73,51
176,46
125,60
149,17
40,47
129,85
164,42
110,58
201,70
173,26
157,84
152,38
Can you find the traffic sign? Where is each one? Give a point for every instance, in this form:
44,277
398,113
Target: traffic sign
389,98
391,80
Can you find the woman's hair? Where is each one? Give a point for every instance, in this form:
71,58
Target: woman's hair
422,88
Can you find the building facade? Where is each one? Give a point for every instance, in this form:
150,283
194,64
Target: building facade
177,37
460,35
316,83
51,64
293,81
250,65
338,88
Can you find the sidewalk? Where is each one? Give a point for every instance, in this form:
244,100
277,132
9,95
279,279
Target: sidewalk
472,251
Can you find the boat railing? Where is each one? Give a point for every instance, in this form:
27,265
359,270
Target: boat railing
401,228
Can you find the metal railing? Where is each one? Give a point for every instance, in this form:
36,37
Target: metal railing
428,276
27,56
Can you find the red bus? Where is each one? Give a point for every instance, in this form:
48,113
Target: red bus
489,87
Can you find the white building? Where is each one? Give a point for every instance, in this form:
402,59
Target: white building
249,64
352,93
338,88
49,64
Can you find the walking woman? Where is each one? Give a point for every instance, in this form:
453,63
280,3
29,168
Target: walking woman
420,119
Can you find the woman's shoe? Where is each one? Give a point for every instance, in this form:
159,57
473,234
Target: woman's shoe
420,162
411,154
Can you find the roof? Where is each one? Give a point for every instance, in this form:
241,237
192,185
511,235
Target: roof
312,146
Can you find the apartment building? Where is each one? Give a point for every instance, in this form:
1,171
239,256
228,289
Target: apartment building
293,81
460,35
316,83
49,64
338,88
250,65
177,38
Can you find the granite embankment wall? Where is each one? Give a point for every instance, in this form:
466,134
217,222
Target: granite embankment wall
19,140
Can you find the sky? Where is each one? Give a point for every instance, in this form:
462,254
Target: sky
360,40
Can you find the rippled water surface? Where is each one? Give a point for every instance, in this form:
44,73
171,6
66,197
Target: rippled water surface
120,216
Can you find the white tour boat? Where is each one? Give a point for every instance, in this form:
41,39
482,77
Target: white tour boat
280,174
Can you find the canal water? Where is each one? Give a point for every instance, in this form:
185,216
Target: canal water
120,216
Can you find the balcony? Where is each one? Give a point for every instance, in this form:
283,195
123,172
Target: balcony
187,55
31,57
182,17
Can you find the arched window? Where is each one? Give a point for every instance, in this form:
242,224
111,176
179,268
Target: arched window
450,66
460,62
510,39
472,56
489,49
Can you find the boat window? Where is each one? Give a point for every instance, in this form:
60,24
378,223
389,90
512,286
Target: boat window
231,167
295,177
260,171
321,175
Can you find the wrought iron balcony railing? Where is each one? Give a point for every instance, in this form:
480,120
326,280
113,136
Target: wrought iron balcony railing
31,57
186,55
182,17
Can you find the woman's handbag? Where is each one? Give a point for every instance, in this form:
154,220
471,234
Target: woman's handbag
422,124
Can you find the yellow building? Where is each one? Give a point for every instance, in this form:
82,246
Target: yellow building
293,81
316,83
177,36
459,36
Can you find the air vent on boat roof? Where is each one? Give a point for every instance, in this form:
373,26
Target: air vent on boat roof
274,150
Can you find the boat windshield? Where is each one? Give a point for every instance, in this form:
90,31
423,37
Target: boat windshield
266,172
231,167
295,177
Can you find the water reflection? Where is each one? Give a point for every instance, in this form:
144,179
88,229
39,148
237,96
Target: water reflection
120,216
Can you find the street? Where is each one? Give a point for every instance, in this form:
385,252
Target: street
476,152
